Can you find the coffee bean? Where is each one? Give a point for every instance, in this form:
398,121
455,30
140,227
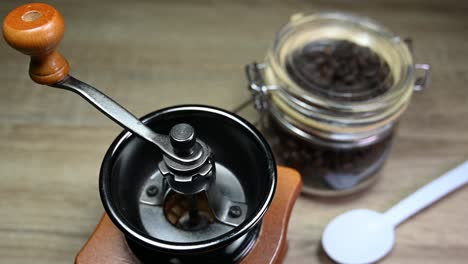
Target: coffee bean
339,68
318,162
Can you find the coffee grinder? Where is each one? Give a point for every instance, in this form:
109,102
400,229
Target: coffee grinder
185,184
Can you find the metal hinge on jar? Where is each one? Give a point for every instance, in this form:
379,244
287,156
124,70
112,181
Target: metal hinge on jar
424,81
257,85
421,82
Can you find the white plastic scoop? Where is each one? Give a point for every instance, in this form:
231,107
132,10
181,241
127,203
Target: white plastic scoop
365,236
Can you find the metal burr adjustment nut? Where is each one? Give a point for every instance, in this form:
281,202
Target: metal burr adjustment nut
190,178
187,179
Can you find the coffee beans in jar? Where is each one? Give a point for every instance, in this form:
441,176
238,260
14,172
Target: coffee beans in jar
340,70
327,167
330,94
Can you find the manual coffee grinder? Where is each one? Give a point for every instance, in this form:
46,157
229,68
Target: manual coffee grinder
185,184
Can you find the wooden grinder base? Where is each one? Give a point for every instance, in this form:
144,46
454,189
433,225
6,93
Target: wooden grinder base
108,245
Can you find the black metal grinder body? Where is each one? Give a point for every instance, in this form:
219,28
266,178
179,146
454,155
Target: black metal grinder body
228,211
187,184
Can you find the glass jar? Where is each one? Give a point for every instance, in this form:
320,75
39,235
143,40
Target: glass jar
338,139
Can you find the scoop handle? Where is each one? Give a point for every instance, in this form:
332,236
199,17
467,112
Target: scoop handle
36,30
428,194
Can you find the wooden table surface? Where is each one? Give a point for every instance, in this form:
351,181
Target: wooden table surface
151,54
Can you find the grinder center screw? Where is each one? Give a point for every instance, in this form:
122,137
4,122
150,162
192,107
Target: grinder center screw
182,138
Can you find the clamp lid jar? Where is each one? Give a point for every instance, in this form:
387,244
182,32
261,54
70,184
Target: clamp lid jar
331,92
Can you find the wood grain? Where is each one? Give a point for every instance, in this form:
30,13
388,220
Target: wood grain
150,54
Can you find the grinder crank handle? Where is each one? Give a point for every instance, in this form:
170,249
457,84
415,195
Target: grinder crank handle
36,30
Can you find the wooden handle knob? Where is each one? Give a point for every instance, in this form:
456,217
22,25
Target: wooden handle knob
36,30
